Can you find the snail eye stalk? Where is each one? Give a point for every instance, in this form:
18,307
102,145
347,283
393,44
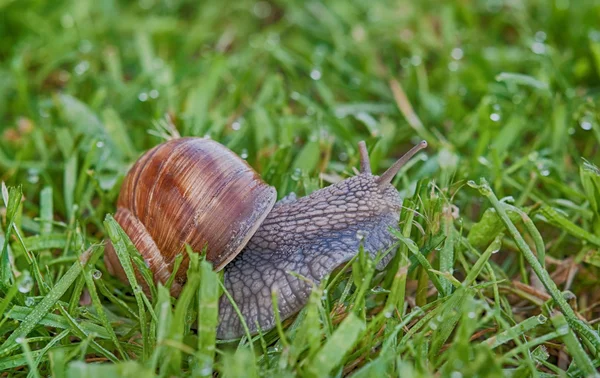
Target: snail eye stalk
365,163
389,175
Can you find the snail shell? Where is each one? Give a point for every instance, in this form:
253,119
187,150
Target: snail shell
189,191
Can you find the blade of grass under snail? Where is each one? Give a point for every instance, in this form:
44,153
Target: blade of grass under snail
117,235
164,312
208,316
581,327
335,348
90,283
183,305
48,302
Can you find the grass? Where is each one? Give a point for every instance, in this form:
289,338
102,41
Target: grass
498,258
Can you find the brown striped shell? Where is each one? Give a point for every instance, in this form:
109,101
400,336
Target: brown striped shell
189,191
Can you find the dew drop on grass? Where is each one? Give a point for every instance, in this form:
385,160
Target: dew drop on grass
433,326
563,330
236,125
387,314
538,48
20,340
82,67
244,154
29,301
457,53
67,21
100,144
415,60
456,374
33,175
85,46
143,97
495,117
262,9
26,283
315,74
297,174
540,36
97,274
471,315
154,93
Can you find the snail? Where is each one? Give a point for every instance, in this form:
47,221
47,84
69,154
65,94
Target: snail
196,191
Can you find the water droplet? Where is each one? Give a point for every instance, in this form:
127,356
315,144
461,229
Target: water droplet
495,117
244,154
471,315
564,330
586,122
143,97
26,283
540,36
20,340
100,144
315,74
67,21
29,301
361,234
538,48
295,96
262,9
433,326
453,66
85,46
387,314
545,172
517,99
154,93
33,176
457,53
97,274
297,174
236,125
82,67
415,60
456,374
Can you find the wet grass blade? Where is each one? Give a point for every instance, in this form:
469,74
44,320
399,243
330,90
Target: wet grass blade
36,315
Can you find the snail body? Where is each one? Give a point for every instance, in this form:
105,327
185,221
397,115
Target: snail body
282,248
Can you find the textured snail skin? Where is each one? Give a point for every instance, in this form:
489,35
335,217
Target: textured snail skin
310,236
